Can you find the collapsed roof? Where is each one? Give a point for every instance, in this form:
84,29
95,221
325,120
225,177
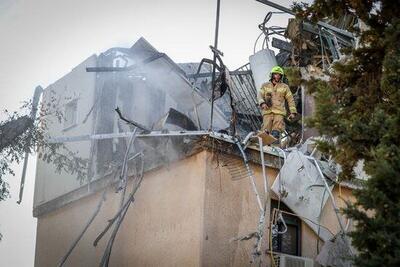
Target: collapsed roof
158,98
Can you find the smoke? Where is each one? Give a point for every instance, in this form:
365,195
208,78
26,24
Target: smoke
144,94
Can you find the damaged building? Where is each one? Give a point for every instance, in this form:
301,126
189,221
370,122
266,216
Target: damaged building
164,188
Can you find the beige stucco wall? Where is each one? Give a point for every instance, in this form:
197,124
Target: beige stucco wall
328,219
184,215
162,227
230,211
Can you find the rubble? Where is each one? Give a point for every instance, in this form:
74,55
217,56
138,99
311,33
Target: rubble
206,106
335,252
301,188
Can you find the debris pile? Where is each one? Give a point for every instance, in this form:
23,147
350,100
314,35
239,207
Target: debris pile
149,111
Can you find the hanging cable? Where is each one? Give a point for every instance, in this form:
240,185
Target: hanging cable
255,43
251,175
97,210
280,217
266,30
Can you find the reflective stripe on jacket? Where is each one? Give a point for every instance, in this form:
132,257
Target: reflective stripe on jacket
280,92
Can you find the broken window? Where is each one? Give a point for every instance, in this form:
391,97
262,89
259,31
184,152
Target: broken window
70,114
289,241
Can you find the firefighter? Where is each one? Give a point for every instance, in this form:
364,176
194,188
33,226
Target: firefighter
271,98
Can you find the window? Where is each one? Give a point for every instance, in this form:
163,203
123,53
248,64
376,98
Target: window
288,242
70,114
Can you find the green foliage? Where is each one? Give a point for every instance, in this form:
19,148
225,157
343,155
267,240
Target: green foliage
31,138
358,111
293,75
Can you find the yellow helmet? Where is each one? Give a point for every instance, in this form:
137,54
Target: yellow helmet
277,69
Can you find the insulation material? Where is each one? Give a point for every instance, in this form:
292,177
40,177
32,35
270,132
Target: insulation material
302,190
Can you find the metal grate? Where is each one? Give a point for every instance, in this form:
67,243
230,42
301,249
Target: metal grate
244,94
235,167
293,261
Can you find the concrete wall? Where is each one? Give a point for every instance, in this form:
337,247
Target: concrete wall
79,86
144,96
328,219
230,211
162,227
184,215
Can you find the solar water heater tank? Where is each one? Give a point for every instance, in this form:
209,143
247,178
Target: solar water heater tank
261,64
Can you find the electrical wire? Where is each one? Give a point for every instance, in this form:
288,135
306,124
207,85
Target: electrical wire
270,239
255,43
97,210
266,30
279,199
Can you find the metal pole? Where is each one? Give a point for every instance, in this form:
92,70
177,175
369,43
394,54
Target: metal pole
35,102
335,208
214,59
86,137
261,148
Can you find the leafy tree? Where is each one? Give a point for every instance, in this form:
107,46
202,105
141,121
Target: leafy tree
20,134
359,111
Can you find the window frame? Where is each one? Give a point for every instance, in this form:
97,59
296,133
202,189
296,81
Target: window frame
73,102
290,220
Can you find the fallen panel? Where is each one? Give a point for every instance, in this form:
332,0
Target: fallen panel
175,120
302,190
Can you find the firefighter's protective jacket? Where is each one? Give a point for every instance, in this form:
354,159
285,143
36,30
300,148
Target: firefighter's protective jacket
279,93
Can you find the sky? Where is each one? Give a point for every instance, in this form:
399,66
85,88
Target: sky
42,40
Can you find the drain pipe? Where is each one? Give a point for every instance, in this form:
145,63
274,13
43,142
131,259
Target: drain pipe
35,101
